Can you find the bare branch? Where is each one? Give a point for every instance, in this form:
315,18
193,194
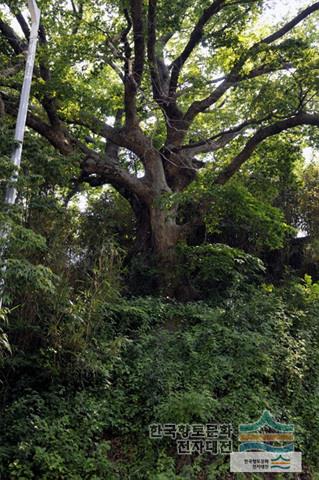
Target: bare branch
106,169
130,86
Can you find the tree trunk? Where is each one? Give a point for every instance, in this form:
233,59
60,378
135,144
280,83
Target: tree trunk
157,234
165,235
143,240
165,231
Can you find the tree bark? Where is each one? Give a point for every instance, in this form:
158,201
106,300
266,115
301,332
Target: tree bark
143,240
165,235
156,230
157,234
165,231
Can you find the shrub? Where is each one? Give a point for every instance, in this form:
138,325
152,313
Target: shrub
213,271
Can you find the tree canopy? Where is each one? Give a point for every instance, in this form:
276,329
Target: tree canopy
148,94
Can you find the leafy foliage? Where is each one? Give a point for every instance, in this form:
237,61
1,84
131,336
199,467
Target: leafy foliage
182,363
86,366
214,270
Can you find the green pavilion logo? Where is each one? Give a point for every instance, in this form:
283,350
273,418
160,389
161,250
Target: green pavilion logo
266,446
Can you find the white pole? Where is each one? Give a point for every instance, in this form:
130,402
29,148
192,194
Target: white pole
11,192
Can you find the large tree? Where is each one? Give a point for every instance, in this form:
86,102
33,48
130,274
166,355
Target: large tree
148,93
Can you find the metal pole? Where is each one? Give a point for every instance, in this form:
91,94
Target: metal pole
11,192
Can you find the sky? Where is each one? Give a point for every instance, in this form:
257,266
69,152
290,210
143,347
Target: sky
280,9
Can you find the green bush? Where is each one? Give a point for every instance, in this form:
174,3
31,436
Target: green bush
166,362
215,271
55,436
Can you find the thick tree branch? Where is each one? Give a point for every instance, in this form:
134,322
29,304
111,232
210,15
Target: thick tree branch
234,76
151,55
201,105
12,38
260,136
139,44
133,70
158,69
60,139
105,169
130,86
221,139
214,143
102,129
111,147
104,166
131,139
228,82
49,103
23,24
78,13
292,24
194,40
